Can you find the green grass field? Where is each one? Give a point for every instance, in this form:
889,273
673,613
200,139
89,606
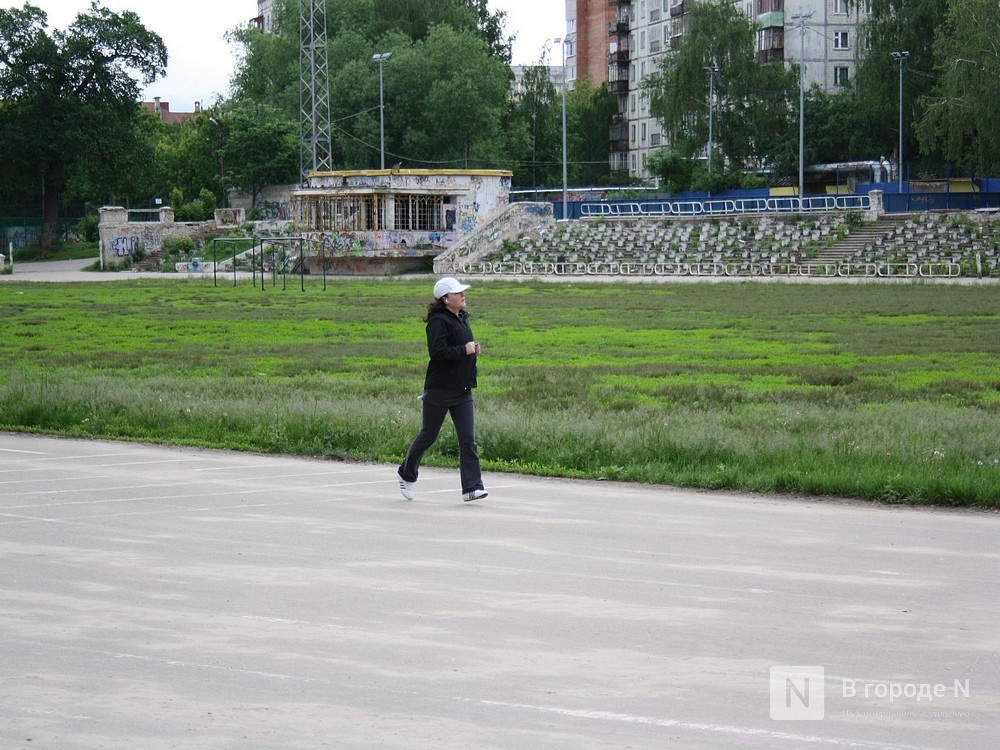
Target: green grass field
887,392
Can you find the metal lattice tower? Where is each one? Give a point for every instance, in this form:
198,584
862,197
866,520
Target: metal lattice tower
315,145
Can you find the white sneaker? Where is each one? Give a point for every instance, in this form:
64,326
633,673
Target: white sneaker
475,495
405,488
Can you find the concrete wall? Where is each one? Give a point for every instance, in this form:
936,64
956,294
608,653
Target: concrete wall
472,197
123,232
507,225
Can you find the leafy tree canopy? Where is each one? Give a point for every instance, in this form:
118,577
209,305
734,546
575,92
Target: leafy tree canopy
898,26
445,87
959,114
67,94
750,110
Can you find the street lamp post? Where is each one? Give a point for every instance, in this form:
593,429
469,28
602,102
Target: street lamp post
900,57
711,70
565,170
381,57
801,17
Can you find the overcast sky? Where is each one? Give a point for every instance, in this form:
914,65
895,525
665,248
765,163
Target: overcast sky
200,62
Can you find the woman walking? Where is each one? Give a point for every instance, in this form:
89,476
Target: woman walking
451,376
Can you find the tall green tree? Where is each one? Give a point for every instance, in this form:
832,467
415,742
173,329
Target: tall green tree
898,26
445,86
959,115
63,92
751,111
590,108
260,148
449,101
267,68
537,114
415,19
121,167
189,158
837,129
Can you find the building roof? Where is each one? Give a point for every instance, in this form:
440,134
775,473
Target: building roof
163,110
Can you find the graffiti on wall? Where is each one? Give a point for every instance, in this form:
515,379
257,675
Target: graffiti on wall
273,211
23,237
133,238
342,243
27,236
123,247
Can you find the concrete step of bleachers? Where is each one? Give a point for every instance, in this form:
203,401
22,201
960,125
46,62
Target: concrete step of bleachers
858,239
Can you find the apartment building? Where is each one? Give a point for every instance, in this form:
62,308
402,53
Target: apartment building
822,34
555,73
264,20
587,22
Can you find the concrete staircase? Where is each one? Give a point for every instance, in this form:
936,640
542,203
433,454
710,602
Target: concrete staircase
857,239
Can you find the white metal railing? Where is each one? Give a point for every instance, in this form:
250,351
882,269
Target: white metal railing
726,206
717,268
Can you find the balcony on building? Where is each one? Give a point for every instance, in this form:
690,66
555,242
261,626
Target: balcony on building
618,136
618,87
619,27
677,9
772,20
619,57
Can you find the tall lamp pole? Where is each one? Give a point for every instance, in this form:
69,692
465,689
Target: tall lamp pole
381,57
801,18
900,57
711,70
565,170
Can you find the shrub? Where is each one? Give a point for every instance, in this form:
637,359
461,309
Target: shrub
88,227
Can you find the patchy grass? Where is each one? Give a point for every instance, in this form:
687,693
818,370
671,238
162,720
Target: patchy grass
884,392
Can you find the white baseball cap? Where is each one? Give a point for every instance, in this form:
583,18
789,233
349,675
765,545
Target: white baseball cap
448,285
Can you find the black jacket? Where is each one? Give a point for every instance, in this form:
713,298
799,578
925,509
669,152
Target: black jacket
450,368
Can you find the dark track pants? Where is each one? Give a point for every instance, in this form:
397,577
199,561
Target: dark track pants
437,405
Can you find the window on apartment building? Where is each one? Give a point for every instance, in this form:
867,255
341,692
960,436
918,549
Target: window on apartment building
633,133
840,7
642,40
632,102
642,9
642,135
654,139
633,163
841,76
841,40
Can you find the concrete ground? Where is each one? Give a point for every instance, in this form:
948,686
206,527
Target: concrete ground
72,270
157,597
